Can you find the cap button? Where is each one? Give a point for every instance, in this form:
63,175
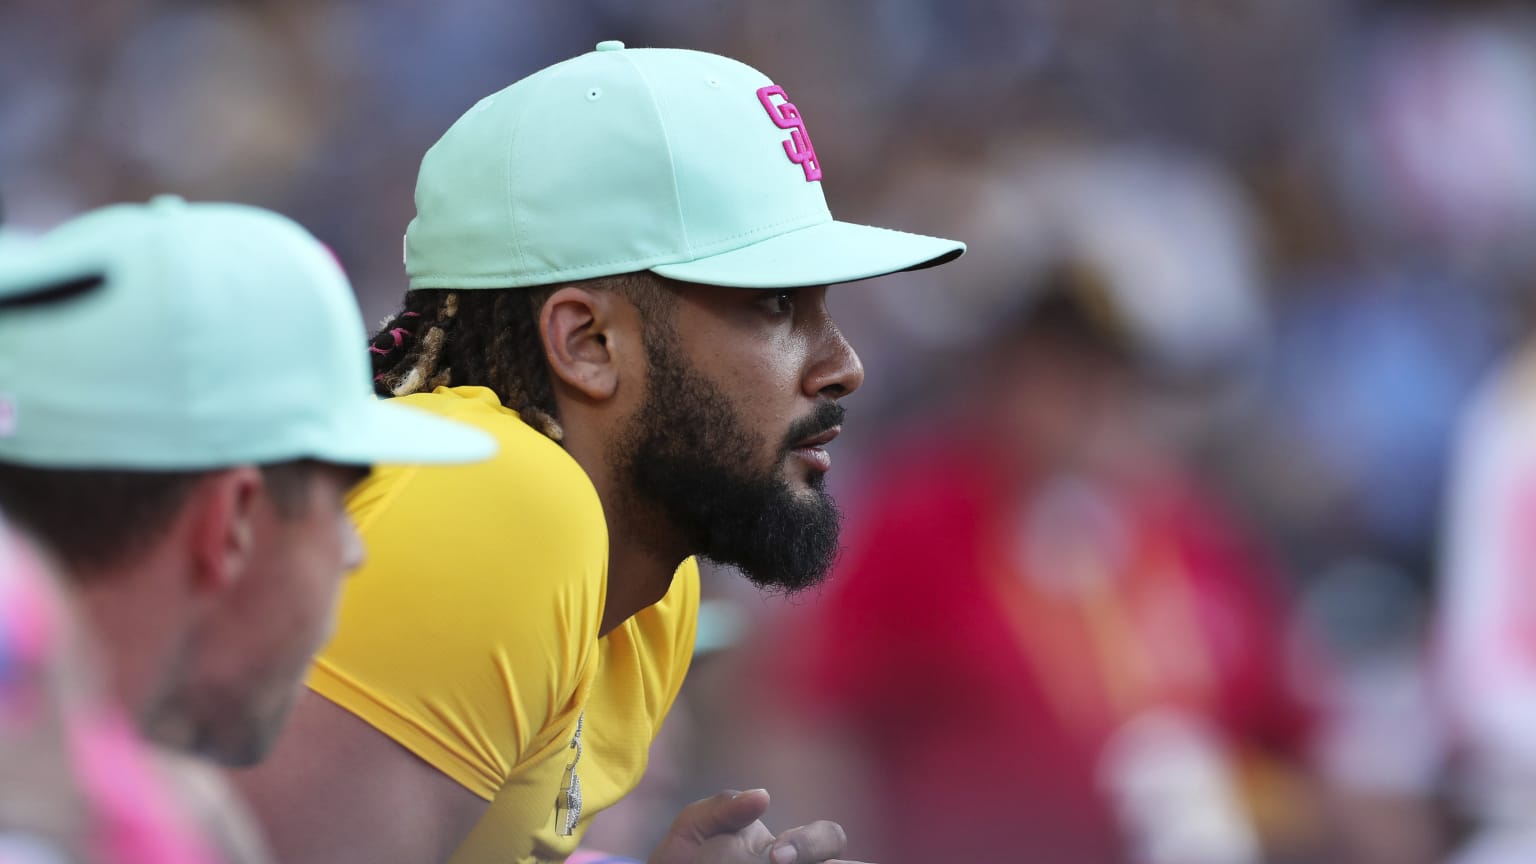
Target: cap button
167,202
610,45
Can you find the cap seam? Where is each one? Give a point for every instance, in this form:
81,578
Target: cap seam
163,262
509,164
666,137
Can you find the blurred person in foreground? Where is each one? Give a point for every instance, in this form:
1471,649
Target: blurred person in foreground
1048,641
78,784
183,462
619,267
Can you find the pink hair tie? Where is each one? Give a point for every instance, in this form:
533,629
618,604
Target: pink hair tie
399,333
374,349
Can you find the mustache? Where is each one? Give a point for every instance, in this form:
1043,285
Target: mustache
827,415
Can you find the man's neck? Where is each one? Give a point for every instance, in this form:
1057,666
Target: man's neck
639,574
642,551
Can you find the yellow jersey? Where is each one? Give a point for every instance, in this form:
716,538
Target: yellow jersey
470,635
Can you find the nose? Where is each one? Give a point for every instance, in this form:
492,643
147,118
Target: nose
837,370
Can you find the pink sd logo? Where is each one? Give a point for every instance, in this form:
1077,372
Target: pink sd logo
786,116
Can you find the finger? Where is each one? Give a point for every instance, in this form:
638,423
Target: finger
723,813
809,844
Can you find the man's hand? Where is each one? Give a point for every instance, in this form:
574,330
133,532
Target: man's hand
728,829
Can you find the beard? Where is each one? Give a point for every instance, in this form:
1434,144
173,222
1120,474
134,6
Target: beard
232,726
687,459
232,723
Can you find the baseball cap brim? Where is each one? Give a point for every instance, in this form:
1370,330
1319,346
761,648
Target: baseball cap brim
382,431
28,278
823,254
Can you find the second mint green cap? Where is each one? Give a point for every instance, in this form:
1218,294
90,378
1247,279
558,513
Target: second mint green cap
219,335
690,165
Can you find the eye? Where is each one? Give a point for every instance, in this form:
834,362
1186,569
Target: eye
781,302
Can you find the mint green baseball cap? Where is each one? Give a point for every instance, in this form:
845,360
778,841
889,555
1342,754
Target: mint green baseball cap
687,164
220,335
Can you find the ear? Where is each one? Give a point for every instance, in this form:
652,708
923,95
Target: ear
225,511
586,334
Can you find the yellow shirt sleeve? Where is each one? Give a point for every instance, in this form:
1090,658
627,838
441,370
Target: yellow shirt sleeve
470,634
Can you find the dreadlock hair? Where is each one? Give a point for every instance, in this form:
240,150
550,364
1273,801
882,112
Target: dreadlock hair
489,337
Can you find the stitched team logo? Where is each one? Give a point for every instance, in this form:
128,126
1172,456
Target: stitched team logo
786,116
568,805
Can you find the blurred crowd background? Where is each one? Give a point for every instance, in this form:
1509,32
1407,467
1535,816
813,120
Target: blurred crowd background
1191,517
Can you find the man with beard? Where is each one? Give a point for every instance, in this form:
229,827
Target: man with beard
619,268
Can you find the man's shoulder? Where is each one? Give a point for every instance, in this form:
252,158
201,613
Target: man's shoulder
521,448
518,532
482,590
529,478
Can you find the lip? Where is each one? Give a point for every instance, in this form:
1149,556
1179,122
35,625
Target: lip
812,450
820,439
